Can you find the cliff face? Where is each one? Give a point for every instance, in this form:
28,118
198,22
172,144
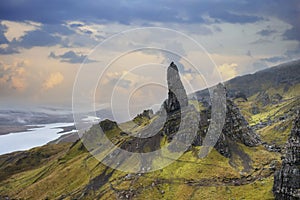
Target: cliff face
287,179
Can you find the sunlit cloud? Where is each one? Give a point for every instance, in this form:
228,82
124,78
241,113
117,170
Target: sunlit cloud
15,30
53,80
228,71
13,75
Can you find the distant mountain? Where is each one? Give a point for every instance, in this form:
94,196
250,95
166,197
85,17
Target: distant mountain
283,76
16,117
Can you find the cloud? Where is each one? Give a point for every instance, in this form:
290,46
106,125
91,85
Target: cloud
266,32
227,16
71,57
76,25
228,71
286,56
3,39
15,30
293,33
8,50
126,12
13,75
293,52
29,34
121,83
60,29
39,38
274,59
287,12
53,80
261,41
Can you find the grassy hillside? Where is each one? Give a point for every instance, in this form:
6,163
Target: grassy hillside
77,174
69,171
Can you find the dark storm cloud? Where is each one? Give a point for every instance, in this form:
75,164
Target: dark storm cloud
124,12
287,11
164,11
70,57
290,13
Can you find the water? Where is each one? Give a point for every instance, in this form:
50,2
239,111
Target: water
33,138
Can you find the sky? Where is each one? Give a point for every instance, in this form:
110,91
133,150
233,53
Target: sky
44,43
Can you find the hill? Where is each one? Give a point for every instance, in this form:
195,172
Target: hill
241,165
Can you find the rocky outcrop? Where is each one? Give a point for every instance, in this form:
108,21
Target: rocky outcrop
108,125
236,129
263,98
287,179
168,120
180,120
177,97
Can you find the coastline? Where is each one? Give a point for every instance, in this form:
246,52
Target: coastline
8,129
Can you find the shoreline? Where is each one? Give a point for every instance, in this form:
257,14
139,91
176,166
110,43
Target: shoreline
9,129
66,129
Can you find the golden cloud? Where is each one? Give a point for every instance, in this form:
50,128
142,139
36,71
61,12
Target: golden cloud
53,80
13,75
228,71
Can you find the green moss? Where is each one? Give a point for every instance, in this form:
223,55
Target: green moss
253,191
274,134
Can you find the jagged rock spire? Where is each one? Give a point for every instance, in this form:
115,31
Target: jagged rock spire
177,96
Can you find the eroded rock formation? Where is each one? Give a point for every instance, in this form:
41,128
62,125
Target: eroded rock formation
235,130
177,97
287,179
